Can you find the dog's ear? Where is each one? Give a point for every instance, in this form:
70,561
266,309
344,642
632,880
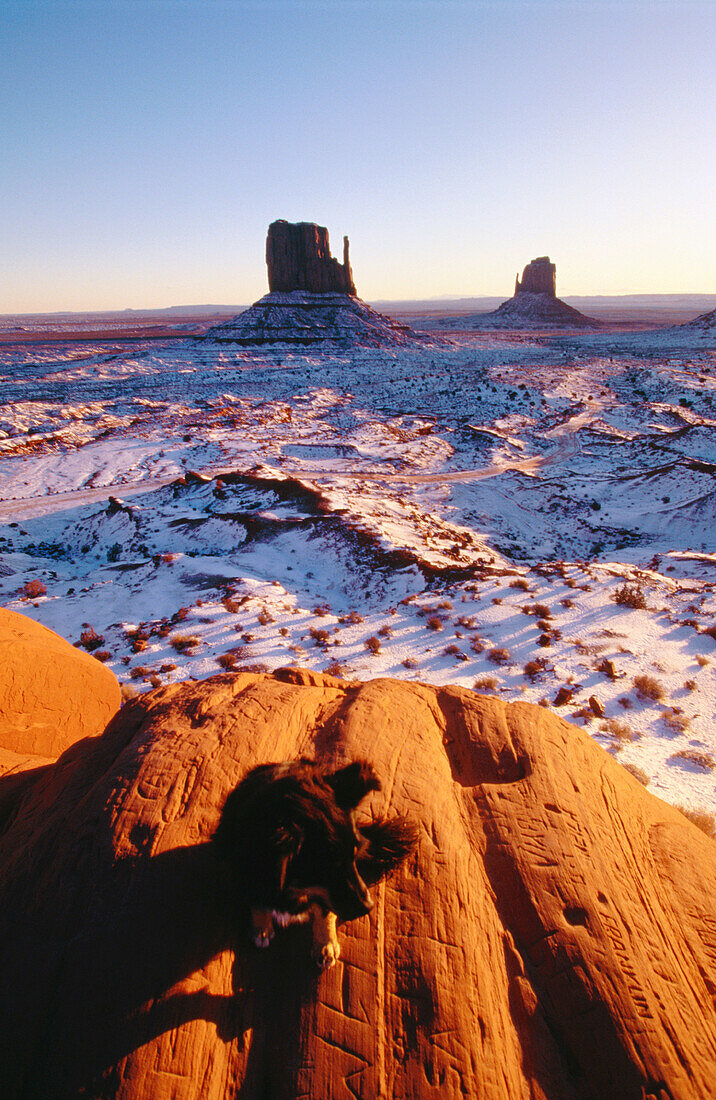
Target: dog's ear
352,783
285,844
386,844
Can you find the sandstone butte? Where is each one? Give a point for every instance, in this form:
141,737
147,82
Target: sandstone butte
554,935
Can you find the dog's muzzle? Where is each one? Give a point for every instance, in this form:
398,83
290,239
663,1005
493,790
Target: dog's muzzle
357,901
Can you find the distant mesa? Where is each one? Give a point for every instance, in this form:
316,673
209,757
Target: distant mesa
312,299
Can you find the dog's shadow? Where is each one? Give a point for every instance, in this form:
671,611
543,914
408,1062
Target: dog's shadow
94,978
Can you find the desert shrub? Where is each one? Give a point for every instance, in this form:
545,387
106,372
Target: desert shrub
351,617
139,672
180,615
477,645
139,645
32,589
486,683
372,644
497,599
232,606
320,637
410,662
676,721
102,655
499,655
168,666
638,773
630,596
544,640
114,551
533,669
567,602
385,631
626,702
469,622
435,623
227,661
689,685
182,643
90,639
283,631
443,605
618,729
520,584
711,631
701,819
541,611
701,661
336,669
649,688
265,617
321,610
703,760
247,637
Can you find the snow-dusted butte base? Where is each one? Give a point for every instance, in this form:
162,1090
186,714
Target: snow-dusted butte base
463,513
299,317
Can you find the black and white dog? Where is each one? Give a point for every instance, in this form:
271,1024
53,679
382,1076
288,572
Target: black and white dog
289,840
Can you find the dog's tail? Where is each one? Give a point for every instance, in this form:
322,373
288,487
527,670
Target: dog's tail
388,843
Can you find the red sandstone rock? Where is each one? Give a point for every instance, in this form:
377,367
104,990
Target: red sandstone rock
539,277
554,936
51,694
298,257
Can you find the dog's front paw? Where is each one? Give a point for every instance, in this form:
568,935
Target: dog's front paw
262,927
326,955
262,936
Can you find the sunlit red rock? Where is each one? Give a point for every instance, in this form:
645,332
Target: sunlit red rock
51,694
554,935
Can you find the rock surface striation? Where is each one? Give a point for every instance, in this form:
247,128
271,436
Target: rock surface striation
554,935
298,257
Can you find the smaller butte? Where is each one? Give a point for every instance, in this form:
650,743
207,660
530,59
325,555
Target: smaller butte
535,302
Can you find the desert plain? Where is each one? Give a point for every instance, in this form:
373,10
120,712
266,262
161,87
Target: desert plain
524,513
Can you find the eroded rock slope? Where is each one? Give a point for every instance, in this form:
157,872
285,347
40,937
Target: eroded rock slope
554,935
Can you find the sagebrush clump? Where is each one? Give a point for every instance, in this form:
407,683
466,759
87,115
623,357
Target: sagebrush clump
630,596
650,688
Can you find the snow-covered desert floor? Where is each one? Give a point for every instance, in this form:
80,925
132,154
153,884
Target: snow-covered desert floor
522,513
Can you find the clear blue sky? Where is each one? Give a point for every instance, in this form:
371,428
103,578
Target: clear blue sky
145,145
